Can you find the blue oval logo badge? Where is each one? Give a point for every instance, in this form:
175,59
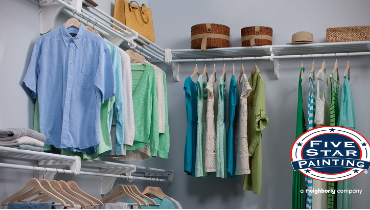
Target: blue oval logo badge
330,153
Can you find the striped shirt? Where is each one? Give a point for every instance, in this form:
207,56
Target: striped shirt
311,114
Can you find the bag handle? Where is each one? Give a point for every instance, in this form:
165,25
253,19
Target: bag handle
143,8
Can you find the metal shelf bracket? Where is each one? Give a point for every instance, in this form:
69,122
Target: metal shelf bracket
73,165
276,62
168,175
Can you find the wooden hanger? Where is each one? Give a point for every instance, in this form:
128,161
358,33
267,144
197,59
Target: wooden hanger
137,191
196,71
73,185
335,68
205,72
58,188
73,22
149,190
312,73
130,191
348,68
118,191
224,71
79,197
255,67
241,73
34,184
92,30
136,58
323,69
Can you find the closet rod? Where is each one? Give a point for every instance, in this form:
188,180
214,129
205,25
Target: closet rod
151,45
62,171
271,57
109,30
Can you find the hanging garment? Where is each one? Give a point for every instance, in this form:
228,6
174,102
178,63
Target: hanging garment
118,106
257,122
191,99
164,138
311,114
107,144
334,113
347,118
61,65
320,200
221,170
145,110
160,96
201,128
127,98
165,203
242,155
31,205
210,147
298,198
231,153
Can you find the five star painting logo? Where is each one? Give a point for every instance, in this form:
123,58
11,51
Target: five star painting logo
330,153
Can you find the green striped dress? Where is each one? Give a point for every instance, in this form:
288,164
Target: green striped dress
334,113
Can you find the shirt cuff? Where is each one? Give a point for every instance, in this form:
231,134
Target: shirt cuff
261,120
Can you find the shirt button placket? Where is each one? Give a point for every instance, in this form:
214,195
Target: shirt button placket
67,105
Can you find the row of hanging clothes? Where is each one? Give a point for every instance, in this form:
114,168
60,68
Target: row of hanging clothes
94,99
220,143
44,194
323,110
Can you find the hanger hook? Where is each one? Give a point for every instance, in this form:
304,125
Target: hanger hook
56,174
43,175
34,170
64,172
73,173
347,56
196,64
255,61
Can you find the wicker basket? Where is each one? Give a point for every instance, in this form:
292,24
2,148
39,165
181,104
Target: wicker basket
256,36
348,34
205,36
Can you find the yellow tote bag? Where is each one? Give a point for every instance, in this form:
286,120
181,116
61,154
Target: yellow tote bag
135,17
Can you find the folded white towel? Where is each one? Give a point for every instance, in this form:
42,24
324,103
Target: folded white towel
23,140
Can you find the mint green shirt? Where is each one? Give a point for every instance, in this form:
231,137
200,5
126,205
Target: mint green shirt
144,98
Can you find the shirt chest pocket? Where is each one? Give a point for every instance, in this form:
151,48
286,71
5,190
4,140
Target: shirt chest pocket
86,77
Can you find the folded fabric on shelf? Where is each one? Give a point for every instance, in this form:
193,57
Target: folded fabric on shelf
23,140
30,147
10,134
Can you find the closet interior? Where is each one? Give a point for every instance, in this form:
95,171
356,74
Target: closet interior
118,179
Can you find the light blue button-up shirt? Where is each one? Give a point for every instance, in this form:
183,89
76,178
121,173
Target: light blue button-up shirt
118,104
71,76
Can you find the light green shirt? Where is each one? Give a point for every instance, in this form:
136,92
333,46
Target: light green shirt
257,122
144,98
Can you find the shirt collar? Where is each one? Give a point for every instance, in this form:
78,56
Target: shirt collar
67,37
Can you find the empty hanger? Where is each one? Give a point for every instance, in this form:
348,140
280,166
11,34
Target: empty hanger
78,198
119,191
137,191
34,184
73,185
196,71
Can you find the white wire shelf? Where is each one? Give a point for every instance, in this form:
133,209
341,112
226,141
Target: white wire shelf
273,53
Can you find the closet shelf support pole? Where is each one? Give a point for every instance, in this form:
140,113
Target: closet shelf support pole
276,62
174,65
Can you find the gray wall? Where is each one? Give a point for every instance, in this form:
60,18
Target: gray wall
172,22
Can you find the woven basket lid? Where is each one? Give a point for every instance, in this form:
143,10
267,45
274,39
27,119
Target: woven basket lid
302,37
